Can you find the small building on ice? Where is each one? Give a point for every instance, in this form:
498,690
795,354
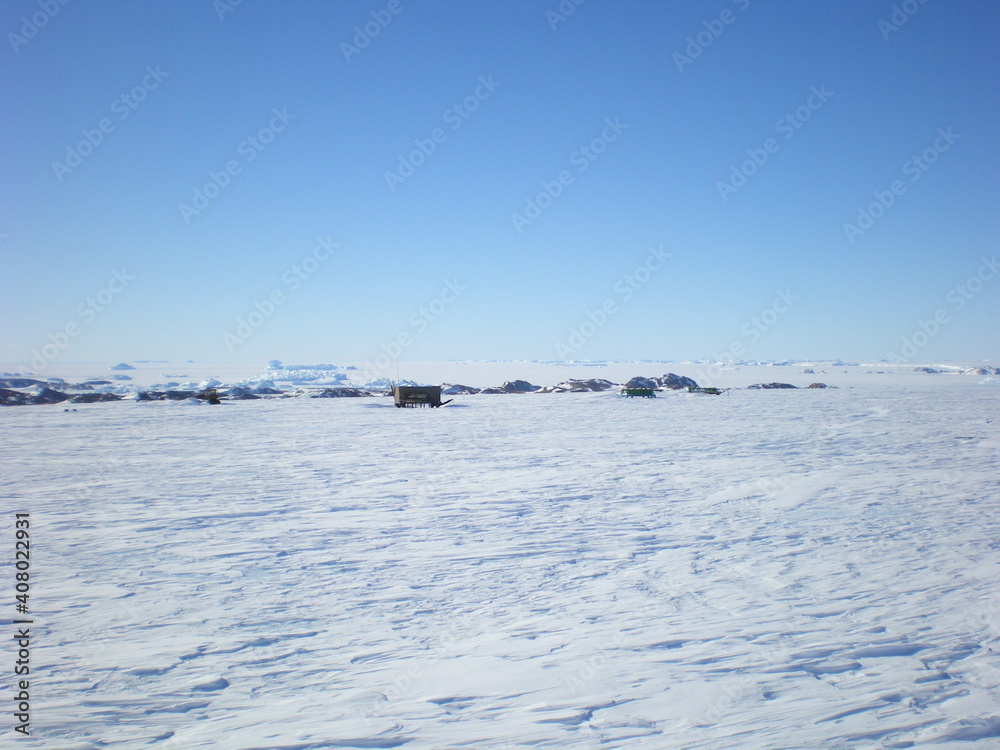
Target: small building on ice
417,395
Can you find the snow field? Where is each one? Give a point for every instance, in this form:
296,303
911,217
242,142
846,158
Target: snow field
763,569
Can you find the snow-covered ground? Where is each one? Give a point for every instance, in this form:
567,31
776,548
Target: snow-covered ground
761,569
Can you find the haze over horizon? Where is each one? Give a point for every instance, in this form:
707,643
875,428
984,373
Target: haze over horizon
237,182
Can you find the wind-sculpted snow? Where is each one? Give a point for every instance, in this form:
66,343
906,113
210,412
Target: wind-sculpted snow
817,570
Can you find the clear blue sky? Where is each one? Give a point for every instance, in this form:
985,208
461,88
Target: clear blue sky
554,82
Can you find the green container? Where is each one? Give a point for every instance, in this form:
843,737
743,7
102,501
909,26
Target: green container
639,392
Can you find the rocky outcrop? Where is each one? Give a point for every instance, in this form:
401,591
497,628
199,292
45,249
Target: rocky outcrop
179,395
820,385
515,386
675,382
769,386
94,398
671,381
12,398
341,393
640,382
122,366
166,395
240,393
40,395
19,382
579,386
448,389
518,386
47,396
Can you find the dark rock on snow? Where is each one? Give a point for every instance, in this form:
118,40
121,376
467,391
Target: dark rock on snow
239,393
178,395
769,386
341,393
93,398
671,380
516,386
675,382
519,386
47,396
42,395
168,395
640,382
12,398
579,386
447,389
19,383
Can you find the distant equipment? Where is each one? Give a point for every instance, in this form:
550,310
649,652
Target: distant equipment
418,395
211,395
639,392
710,390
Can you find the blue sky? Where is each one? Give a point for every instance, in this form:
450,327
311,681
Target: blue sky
335,238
